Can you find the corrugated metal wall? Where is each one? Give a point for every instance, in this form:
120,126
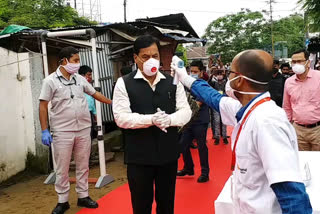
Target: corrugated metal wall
105,72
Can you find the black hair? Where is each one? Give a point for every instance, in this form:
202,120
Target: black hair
197,63
306,53
276,62
84,69
144,42
67,52
284,65
220,71
253,66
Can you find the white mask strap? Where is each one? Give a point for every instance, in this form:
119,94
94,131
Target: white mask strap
251,80
255,81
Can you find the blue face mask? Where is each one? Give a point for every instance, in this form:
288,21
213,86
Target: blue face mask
196,76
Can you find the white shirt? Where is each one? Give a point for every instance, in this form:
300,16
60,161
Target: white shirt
126,119
266,153
69,109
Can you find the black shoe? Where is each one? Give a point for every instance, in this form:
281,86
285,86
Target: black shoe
61,208
87,202
203,179
216,141
225,141
193,146
185,172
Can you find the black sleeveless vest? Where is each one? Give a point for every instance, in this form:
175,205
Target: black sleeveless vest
151,146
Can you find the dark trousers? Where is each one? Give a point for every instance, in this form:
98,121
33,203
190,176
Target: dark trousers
212,123
198,132
141,180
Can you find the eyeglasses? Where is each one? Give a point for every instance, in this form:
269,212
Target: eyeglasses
69,84
230,71
74,82
298,61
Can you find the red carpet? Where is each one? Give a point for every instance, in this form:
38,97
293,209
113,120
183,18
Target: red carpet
191,197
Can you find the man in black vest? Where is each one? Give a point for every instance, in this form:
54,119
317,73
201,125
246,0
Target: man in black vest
150,108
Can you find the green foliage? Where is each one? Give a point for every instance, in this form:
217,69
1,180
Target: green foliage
234,33
312,8
39,14
291,30
183,50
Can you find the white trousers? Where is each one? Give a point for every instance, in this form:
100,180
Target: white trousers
64,144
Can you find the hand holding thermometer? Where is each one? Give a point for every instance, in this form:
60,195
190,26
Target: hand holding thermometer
176,61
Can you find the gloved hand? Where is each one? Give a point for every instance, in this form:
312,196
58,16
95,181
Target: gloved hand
183,76
161,120
46,137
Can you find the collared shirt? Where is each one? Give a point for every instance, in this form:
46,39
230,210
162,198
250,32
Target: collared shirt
301,99
243,109
126,119
69,109
91,104
266,154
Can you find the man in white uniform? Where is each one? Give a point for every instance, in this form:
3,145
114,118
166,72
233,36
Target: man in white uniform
70,124
265,151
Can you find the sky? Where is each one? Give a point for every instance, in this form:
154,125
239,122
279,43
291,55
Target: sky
198,12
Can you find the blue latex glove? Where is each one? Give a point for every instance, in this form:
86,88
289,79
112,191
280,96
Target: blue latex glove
46,137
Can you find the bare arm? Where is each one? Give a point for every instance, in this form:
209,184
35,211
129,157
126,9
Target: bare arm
100,97
43,114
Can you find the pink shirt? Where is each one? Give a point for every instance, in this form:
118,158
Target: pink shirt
301,99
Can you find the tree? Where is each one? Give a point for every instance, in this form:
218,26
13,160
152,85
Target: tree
183,50
312,8
231,34
290,30
234,33
39,14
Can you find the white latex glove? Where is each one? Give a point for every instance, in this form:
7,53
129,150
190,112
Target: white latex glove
183,76
161,120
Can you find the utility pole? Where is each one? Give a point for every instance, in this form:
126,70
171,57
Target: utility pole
125,10
271,26
75,4
90,10
306,25
82,9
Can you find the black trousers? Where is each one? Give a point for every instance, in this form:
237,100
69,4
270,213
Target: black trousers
198,132
142,180
212,123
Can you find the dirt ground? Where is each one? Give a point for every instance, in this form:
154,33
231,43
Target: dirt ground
34,197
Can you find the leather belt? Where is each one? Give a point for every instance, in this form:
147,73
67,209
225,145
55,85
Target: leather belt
310,125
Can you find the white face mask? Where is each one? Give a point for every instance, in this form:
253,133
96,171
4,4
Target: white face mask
220,77
196,76
71,68
151,67
298,68
230,91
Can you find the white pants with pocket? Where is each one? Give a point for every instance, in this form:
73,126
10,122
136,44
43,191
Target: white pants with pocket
64,144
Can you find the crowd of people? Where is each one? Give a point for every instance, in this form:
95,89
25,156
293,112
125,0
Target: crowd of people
274,110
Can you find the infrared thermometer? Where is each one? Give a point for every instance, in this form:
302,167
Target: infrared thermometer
176,61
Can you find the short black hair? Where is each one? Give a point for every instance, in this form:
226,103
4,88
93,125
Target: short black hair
84,69
67,52
284,65
276,62
197,63
253,66
144,42
306,53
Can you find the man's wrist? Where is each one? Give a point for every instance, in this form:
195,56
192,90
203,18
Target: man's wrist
187,81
